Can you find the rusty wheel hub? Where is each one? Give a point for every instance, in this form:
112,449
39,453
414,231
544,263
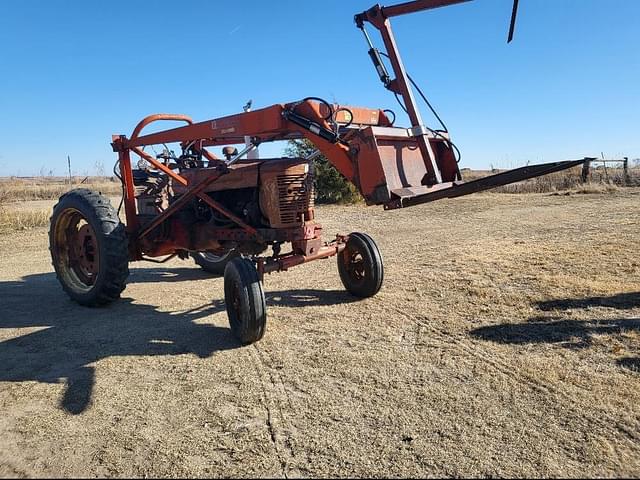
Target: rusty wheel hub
355,264
83,255
76,251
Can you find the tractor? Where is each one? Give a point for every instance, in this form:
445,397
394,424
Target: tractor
242,216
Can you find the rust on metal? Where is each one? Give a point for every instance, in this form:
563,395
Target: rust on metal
84,254
290,261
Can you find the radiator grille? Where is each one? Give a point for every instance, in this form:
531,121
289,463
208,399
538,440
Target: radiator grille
295,193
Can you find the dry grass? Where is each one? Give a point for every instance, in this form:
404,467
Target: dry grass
592,187
15,216
14,220
39,188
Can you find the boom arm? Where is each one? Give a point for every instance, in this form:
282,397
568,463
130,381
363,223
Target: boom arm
379,17
416,6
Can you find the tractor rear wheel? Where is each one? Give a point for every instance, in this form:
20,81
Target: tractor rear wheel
212,263
244,299
88,247
360,266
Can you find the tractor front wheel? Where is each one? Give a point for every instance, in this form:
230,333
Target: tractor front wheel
88,247
244,299
360,266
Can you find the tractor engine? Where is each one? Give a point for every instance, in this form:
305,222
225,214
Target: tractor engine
270,193
265,194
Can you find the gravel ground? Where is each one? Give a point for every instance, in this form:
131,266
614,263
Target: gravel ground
505,342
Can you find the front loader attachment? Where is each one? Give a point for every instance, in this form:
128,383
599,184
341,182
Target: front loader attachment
392,170
398,167
410,196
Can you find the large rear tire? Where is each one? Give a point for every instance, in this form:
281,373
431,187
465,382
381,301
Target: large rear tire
88,245
360,266
244,299
212,263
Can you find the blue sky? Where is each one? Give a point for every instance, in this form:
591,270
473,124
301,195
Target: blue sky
72,73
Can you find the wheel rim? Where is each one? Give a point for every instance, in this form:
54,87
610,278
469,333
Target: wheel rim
355,265
76,251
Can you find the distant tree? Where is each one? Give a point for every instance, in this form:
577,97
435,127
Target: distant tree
330,185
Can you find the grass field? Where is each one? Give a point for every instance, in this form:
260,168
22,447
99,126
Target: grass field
51,188
25,203
505,342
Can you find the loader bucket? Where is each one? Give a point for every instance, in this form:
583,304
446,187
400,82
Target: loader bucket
392,171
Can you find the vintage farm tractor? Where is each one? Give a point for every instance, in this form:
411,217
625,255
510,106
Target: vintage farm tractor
227,212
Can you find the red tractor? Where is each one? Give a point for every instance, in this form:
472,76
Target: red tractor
234,215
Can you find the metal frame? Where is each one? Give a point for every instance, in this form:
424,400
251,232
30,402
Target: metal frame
269,123
379,17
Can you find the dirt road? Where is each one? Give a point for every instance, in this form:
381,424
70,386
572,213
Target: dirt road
505,342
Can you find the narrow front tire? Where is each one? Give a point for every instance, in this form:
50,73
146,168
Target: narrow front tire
360,266
244,299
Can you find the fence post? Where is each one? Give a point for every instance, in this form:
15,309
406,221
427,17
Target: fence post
625,169
585,170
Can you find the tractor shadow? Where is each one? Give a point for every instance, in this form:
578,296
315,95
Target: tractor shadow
570,333
287,298
308,297
573,334
70,338
621,301
65,339
175,274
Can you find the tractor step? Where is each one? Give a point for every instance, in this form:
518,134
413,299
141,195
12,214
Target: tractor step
409,196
